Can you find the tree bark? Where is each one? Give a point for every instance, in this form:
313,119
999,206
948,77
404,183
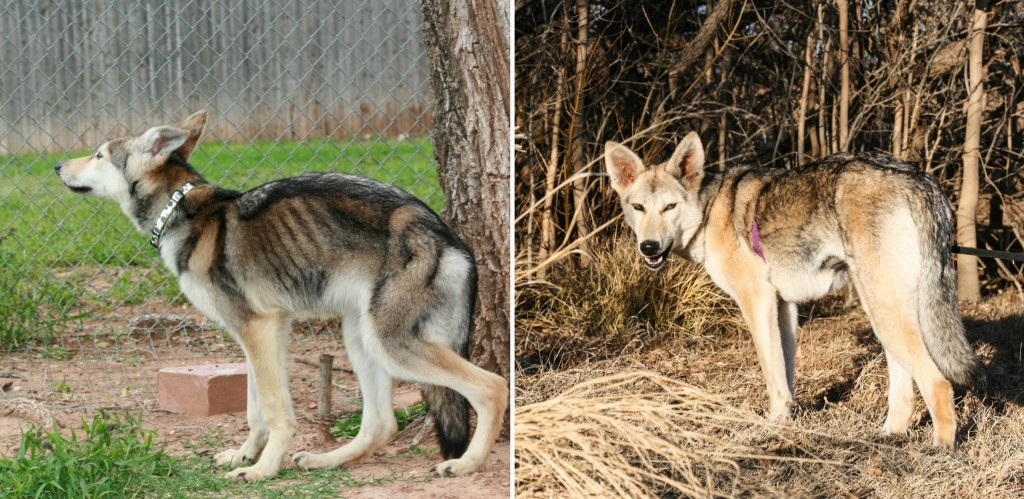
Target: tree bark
967,284
468,53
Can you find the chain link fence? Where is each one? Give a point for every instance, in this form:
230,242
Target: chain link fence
88,313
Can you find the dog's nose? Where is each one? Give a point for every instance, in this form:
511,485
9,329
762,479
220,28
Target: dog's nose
58,166
650,248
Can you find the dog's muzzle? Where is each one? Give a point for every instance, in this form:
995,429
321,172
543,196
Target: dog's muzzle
80,190
654,256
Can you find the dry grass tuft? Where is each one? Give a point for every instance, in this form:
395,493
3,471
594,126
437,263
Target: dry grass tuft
615,303
635,434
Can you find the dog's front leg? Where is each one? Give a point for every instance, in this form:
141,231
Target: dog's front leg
265,341
760,309
258,431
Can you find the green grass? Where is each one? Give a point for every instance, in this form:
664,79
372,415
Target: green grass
110,457
349,427
34,306
113,456
54,243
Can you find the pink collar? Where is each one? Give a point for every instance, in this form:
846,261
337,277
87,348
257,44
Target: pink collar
755,235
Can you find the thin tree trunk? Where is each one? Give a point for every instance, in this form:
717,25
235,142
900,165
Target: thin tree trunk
823,122
805,91
897,130
726,98
844,75
468,53
579,161
547,224
967,284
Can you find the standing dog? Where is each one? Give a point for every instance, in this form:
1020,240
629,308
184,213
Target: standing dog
775,238
316,245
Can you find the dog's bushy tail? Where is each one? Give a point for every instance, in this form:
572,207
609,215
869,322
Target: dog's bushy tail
449,409
938,309
451,419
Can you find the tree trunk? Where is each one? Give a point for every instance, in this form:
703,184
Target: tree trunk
695,48
897,130
805,90
547,224
844,75
580,187
967,284
468,52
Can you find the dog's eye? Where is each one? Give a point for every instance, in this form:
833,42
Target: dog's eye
99,155
638,207
669,206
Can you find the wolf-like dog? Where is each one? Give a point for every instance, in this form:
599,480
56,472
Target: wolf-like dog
315,245
772,238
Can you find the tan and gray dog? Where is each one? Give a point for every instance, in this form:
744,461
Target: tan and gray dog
316,245
775,238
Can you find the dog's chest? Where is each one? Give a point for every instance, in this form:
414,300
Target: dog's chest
201,294
197,289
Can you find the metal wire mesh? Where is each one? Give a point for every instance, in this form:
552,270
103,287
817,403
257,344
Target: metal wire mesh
89,312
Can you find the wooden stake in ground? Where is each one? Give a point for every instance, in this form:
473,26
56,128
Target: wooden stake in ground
323,413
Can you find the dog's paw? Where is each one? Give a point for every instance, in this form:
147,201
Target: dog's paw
304,460
233,458
456,467
249,474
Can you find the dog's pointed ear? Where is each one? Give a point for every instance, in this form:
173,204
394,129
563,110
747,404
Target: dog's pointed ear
687,162
160,141
194,125
623,165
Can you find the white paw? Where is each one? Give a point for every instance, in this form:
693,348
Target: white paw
233,458
888,431
780,413
457,467
304,460
249,474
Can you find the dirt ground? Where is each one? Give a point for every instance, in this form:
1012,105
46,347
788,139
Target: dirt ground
118,373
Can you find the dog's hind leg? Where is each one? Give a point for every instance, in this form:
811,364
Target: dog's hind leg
264,339
896,326
378,426
788,330
487,393
258,431
889,298
901,397
888,286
